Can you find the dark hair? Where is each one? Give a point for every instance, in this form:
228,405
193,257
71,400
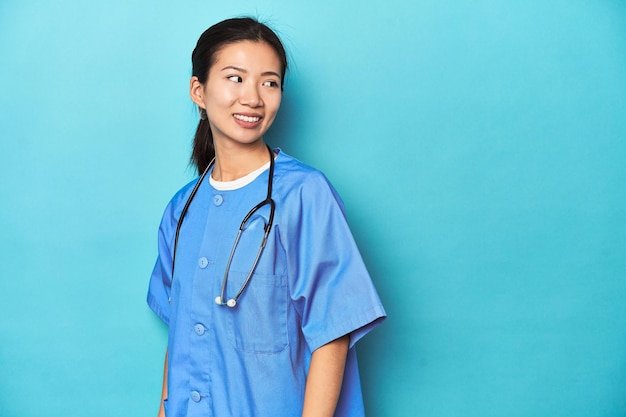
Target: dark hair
204,56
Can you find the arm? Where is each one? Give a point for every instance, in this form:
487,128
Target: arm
323,383
164,389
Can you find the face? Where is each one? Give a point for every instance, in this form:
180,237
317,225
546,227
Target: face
242,93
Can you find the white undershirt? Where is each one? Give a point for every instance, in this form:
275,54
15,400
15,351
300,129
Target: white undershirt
239,182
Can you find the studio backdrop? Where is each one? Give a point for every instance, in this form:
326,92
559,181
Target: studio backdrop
479,147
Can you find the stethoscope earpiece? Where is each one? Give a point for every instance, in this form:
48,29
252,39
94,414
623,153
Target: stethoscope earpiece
230,303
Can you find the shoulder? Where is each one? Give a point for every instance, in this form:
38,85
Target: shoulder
294,175
177,202
299,183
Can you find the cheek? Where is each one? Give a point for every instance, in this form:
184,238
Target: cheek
220,97
272,111
273,102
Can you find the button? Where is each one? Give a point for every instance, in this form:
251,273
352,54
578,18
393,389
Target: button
203,262
218,200
199,329
195,396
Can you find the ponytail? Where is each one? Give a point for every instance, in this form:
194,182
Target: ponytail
203,149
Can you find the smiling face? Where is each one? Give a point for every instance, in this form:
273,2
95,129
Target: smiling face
242,93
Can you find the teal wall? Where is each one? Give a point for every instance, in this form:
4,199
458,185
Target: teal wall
480,148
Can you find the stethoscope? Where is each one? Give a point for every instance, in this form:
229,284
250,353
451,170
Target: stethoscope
268,200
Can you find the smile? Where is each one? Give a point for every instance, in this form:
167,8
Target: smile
248,119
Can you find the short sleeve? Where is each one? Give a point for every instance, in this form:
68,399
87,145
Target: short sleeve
161,278
160,286
329,283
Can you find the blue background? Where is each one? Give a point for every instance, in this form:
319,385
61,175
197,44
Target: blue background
479,147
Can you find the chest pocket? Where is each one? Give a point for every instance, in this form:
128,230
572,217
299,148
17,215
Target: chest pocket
258,323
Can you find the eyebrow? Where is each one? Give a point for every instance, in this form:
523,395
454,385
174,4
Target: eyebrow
266,73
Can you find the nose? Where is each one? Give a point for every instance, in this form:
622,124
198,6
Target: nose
250,96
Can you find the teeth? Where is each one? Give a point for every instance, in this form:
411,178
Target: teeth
247,118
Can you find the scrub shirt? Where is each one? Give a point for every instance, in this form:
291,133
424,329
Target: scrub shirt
309,288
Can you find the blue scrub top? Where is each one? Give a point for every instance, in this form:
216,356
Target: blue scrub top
309,288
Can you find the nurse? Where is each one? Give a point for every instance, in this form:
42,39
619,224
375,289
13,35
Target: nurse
264,306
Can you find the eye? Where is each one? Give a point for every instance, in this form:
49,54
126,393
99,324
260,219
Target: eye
270,83
235,78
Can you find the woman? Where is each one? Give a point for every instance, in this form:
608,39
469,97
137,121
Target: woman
263,305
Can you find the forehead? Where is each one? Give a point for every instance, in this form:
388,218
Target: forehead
248,55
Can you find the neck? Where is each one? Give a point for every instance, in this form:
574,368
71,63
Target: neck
232,163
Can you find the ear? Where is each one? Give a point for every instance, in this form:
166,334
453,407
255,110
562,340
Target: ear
196,91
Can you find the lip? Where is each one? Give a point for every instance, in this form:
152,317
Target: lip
247,120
